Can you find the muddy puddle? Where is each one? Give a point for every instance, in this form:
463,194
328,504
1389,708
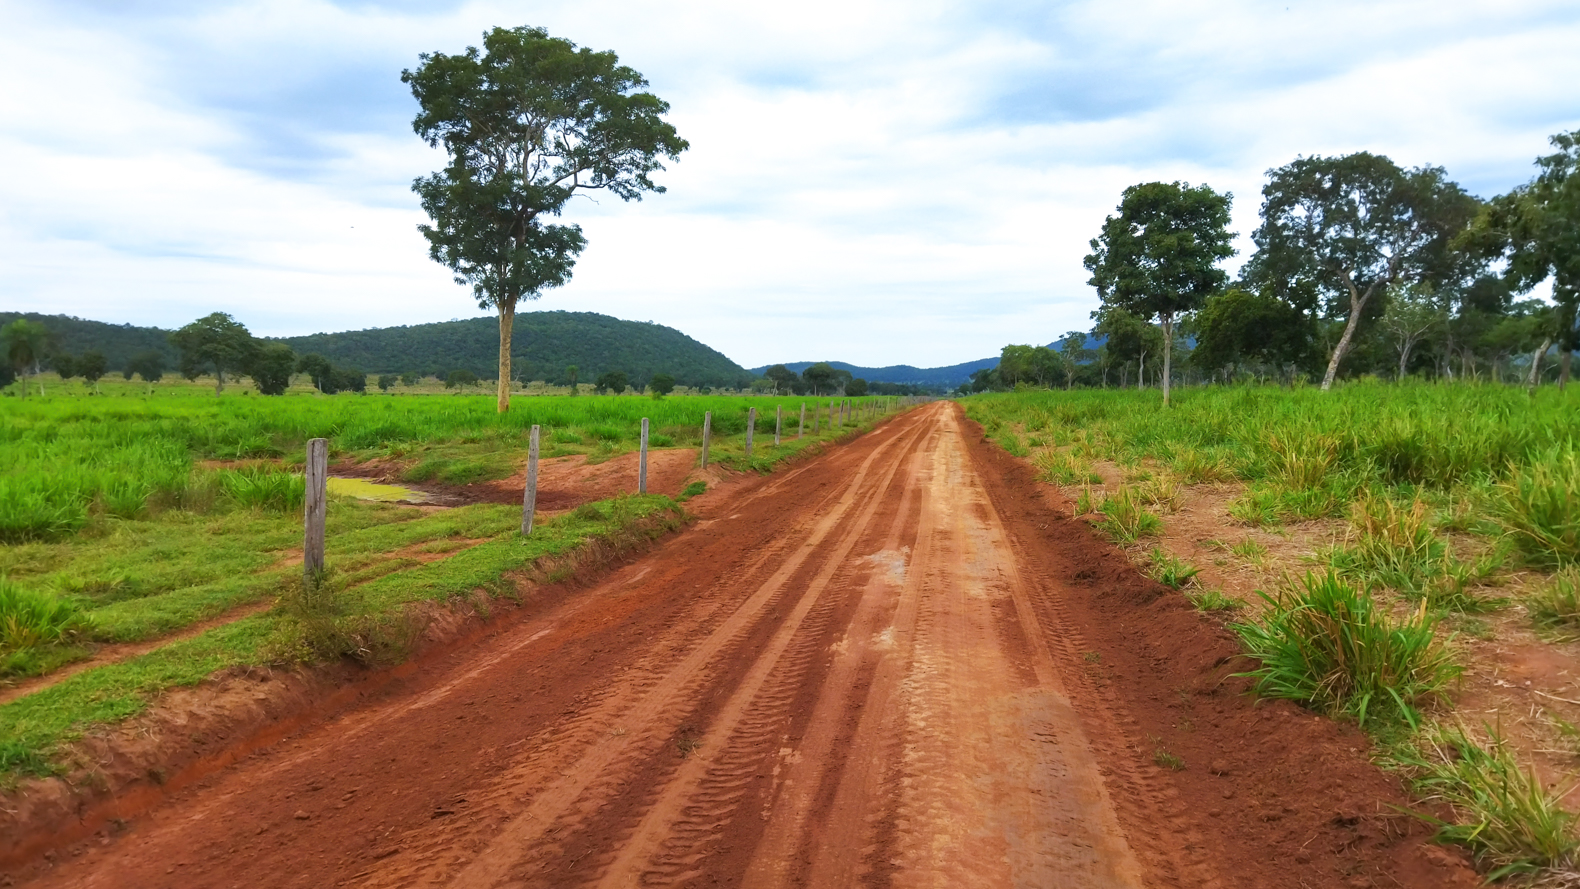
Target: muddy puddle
362,489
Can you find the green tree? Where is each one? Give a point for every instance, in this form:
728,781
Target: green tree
856,388
64,365
215,341
822,377
571,373
410,378
528,123
271,368
1410,313
615,381
661,385
784,379
1347,228
149,365
93,366
1128,338
1536,229
25,342
387,382
455,379
1244,325
1159,257
1073,353
319,370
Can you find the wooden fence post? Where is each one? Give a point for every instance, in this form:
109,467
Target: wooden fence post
800,430
779,421
313,511
817,415
751,426
641,470
529,494
707,435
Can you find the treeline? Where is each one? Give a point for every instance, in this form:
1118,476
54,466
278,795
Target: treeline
823,378
1361,268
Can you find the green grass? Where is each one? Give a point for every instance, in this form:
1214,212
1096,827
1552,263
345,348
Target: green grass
1504,815
1329,646
1125,519
1398,546
1539,505
363,621
1170,571
1556,604
1211,601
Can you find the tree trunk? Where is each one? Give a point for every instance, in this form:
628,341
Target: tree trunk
1404,358
1356,305
1536,364
219,379
507,317
1168,353
1563,368
1141,371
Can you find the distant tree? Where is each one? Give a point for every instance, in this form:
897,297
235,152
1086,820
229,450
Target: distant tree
25,342
1159,257
988,379
784,379
1536,229
856,388
1129,338
149,365
661,385
456,379
387,382
319,370
614,382
1410,313
215,341
64,366
410,378
528,124
571,373
1353,226
1243,325
93,366
1072,348
822,377
271,368
352,379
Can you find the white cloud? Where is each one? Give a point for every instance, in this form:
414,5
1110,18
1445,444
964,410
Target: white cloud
873,182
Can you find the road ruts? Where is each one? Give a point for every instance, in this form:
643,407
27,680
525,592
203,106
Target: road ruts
846,677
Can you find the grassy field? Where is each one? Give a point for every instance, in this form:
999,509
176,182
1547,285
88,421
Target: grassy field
1453,507
158,535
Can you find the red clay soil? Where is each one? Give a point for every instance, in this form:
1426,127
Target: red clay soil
893,665
564,483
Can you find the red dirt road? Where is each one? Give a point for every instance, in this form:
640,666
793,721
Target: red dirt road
894,665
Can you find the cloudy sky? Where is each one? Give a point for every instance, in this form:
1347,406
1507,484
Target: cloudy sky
875,182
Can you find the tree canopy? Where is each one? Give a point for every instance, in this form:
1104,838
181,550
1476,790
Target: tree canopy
218,342
528,123
1159,257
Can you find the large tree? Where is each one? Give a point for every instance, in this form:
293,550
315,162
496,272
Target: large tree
529,122
218,342
1536,229
1347,228
1159,257
1243,325
25,343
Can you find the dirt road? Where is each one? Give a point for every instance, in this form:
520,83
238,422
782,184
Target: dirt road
856,672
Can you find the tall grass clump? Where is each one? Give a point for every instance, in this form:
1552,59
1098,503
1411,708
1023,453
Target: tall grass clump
1126,519
1503,813
1556,605
1539,506
1395,545
1328,646
31,618
263,488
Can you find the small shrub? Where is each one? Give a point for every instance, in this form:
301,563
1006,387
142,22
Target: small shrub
1197,467
1503,813
1328,646
263,488
30,618
1557,604
1163,492
1539,506
1125,519
1213,601
1169,571
1303,460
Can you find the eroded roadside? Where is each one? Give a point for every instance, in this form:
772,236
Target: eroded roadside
896,664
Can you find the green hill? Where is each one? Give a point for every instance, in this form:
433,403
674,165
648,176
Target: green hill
545,343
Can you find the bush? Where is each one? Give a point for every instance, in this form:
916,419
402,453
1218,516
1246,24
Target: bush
263,488
1125,519
29,618
1327,645
1539,506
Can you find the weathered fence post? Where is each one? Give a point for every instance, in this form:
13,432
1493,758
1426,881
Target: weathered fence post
313,511
641,470
779,420
751,426
800,430
817,415
529,494
707,435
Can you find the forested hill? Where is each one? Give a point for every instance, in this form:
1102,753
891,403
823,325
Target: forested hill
953,375
545,343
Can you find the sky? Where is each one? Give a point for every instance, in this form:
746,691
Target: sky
874,182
